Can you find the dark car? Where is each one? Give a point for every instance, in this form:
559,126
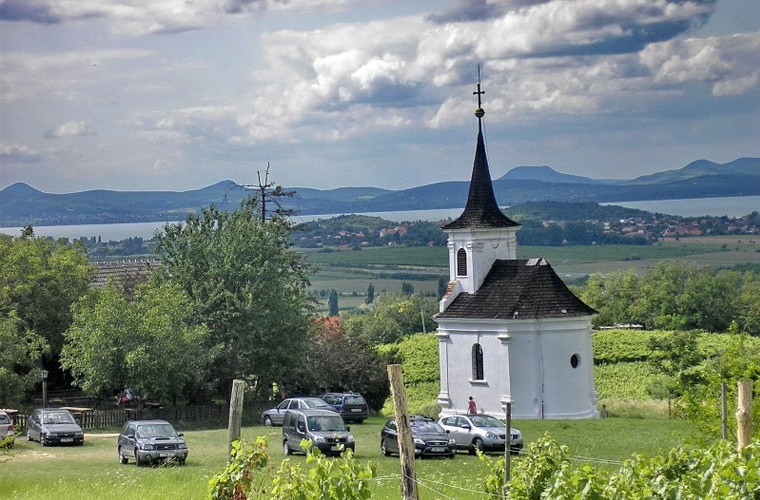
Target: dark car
350,405
53,426
430,440
149,441
482,432
276,414
324,428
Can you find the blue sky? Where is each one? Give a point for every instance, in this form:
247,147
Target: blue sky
179,94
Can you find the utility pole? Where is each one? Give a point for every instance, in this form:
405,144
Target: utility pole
236,413
404,433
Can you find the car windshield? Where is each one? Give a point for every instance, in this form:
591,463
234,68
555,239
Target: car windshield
58,417
156,431
325,423
486,421
316,403
424,427
355,400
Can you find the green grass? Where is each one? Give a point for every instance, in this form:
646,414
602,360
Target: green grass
92,471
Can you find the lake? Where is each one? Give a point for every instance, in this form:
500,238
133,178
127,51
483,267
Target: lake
736,206
146,230
732,207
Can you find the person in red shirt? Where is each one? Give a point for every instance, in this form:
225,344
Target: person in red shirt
471,406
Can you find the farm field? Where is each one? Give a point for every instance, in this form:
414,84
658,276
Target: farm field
92,471
349,272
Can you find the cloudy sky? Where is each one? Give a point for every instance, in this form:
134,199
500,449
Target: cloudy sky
179,94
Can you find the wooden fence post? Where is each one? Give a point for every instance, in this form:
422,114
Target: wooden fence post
723,411
404,431
236,413
744,413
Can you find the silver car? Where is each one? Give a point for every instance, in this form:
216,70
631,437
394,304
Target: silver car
276,414
482,432
53,426
7,436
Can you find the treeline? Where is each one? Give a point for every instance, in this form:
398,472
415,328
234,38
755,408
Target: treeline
677,296
536,233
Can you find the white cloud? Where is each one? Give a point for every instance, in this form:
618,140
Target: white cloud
140,17
730,62
19,153
71,129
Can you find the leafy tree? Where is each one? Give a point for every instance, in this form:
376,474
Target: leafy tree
246,285
332,302
19,352
39,281
396,317
338,361
370,294
149,344
443,285
407,288
677,357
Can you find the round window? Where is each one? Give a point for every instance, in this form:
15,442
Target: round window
575,360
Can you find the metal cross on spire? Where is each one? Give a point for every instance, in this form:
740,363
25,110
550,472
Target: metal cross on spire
479,112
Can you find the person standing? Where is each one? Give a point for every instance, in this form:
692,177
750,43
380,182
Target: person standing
472,407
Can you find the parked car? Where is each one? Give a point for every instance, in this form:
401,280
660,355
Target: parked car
276,414
7,434
482,432
350,405
53,426
149,441
430,439
323,428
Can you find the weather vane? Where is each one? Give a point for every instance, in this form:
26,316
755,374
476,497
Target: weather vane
479,112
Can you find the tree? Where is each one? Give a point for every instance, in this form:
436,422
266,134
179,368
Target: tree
338,361
19,354
246,285
396,317
149,344
39,281
370,294
443,285
407,288
333,303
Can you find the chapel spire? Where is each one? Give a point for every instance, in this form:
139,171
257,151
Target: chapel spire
481,210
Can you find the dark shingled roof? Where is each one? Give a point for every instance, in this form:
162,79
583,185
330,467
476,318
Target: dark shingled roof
123,272
481,209
519,289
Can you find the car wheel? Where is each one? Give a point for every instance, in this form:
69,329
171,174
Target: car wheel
138,461
268,421
478,445
43,441
29,436
384,448
122,458
286,449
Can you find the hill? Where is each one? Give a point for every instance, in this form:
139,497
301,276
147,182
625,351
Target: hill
21,204
546,174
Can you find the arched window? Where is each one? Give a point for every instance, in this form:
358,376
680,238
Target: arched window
461,262
477,362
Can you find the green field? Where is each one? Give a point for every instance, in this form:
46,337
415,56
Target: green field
92,471
350,271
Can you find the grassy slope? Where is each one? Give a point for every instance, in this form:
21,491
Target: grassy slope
92,471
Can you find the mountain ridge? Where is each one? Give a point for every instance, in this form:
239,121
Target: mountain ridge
21,204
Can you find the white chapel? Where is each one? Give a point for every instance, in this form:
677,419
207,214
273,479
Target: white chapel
509,330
